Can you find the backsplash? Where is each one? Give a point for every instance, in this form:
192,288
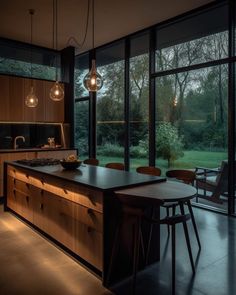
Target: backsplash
36,135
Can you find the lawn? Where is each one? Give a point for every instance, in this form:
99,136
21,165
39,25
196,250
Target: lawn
191,159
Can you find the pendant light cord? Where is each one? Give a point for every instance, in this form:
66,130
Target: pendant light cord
93,22
31,12
73,39
54,34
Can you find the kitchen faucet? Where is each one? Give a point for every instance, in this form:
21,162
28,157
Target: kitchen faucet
15,140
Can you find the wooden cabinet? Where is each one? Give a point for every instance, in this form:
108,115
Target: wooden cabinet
56,154
4,97
54,110
71,214
19,198
12,157
88,228
12,99
34,114
16,99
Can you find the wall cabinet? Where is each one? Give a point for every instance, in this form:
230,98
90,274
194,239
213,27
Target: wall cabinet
4,97
13,91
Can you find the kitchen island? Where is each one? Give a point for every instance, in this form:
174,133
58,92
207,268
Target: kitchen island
77,209
31,153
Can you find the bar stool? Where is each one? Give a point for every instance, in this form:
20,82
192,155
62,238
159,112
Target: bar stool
188,177
91,161
117,166
138,215
172,221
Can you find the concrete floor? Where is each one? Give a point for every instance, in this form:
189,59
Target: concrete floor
31,265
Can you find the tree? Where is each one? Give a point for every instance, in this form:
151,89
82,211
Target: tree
169,144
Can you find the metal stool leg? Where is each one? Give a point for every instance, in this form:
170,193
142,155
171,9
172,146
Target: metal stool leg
168,214
173,259
187,237
137,235
194,223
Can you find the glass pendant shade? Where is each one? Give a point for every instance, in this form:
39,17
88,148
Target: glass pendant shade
31,100
93,80
56,92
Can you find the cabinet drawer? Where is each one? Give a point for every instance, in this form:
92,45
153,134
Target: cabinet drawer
18,174
88,216
11,198
21,186
23,205
88,244
88,198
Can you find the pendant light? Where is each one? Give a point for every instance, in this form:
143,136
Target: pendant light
93,80
56,92
31,100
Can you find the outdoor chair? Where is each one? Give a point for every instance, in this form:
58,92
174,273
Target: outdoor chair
214,181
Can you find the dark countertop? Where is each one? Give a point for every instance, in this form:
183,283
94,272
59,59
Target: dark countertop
24,150
94,176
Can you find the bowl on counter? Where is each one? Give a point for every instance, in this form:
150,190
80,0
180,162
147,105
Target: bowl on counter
70,165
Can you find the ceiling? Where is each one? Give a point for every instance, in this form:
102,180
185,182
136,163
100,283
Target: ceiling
113,19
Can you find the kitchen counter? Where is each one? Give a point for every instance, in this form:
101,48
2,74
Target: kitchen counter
32,153
23,150
95,177
77,209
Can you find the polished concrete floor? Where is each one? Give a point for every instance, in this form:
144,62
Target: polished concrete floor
215,264
32,265
29,264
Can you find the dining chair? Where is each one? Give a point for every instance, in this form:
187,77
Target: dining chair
91,161
150,170
188,177
172,221
138,215
117,166
155,171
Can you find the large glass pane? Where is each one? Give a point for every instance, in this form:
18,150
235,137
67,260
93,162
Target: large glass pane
191,127
110,105
194,40
139,100
17,58
81,69
82,128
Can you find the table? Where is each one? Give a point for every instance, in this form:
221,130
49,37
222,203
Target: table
145,197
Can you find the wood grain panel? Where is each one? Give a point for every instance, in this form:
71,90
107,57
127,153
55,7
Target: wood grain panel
4,98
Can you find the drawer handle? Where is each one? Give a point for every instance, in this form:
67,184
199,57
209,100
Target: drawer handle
41,206
89,229
65,191
14,181
90,211
42,181
42,191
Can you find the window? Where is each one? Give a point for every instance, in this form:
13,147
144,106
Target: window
110,104
16,59
139,100
81,106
